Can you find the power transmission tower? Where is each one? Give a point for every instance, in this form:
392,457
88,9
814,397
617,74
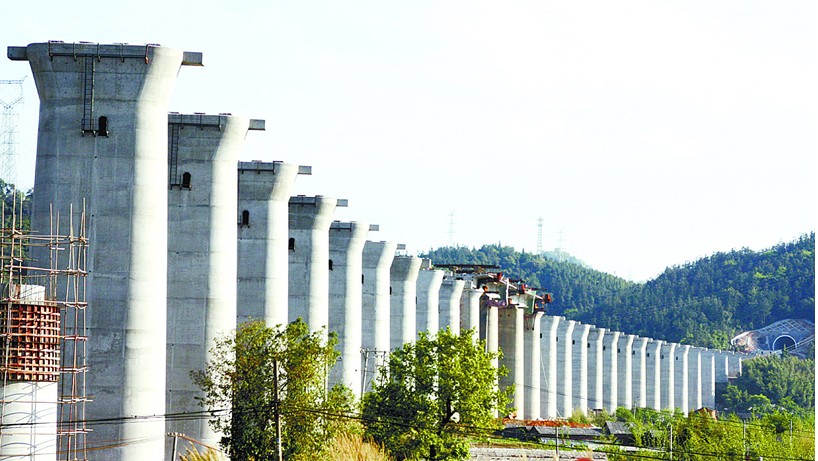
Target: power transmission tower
451,228
8,129
539,236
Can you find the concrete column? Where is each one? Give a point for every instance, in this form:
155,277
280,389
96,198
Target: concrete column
595,367
263,233
493,332
470,308
565,368
346,246
733,365
611,367
654,374
625,355
451,291
669,376
579,379
694,380
548,353
404,277
512,343
722,368
310,218
202,271
376,261
533,363
708,379
682,382
102,144
428,309
640,376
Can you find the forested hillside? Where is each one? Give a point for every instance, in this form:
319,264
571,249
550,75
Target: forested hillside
703,303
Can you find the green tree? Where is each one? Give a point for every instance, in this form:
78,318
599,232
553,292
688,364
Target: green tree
437,391
241,377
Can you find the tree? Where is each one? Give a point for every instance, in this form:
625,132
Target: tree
241,377
436,391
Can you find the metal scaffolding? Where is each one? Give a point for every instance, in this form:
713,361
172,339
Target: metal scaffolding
42,324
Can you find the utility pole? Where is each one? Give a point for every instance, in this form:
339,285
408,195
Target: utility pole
277,412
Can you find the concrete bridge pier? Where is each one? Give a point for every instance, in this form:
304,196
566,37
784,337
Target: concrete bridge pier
625,354
611,362
512,343
470,308
428,308
202,272
708,379
640,376
451,291
681,367
403,315
376,261
565,368
533,362
579,350
694,363
596,357
310,219
346,245
669,375
548,352
263,232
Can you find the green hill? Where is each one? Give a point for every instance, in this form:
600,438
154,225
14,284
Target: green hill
703,303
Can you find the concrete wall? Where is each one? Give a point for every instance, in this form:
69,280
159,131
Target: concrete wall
403,276
119,179
376,261
310,218
202,270
428,308
263,269
346,245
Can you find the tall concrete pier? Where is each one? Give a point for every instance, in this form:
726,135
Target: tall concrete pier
102,141
595,367
579,379
669,375
565,367
512,342
611,367
653,370
451,292
533,363
202,155
263,233
470,308
640,375
708,379
376,261
548,352
403,276
346,245
428,308
310,218
625,369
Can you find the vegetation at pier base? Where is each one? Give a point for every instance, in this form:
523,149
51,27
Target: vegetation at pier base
16,206
438,391
241,378
703,303
777,435
772,382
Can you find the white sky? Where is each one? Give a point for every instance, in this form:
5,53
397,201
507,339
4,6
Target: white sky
650,132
